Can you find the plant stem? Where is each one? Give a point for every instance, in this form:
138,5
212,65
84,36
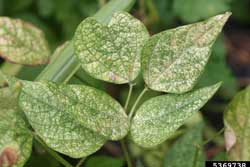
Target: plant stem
196,155
136,102
125,151
51,152
198,147
216,135
129,96
80,162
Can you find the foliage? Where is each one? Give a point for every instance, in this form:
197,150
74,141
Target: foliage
237,124
104,161
189,148
76,120
15,139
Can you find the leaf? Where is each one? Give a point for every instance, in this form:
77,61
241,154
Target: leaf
158,118
236,120
15,139
201,9
22,43
72,119
111,52
173,60
186,148
104,161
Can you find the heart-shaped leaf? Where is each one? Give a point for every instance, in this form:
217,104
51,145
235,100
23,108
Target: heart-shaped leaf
158,118
73,119
22,43
186,148
111,52
15,138
237,122
173,60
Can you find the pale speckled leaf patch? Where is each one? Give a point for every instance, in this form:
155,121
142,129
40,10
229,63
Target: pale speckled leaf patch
237,122
111,52
22,43
72,119
15,138
158,118
173,60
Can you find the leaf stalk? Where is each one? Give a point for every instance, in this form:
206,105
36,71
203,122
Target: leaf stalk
136,102
51,152
126,153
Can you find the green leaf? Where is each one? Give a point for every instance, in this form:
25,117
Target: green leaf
22,43
111,52
158,118
73,119
186,147
195,10
15,138
104,161
237,122
173,60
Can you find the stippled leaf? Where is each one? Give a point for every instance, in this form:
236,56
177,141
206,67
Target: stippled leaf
22,43
173,60
73,119
237,122
111,52
15,139
186,148
158,118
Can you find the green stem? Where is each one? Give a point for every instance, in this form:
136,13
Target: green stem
66,64
216,135
198,147
129,96
136,102
125,151
80,162
52,153
196,156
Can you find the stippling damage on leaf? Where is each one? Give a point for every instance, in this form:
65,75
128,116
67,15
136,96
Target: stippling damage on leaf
15,140
158,118
237,122
173,60
111,52
72,119
22,43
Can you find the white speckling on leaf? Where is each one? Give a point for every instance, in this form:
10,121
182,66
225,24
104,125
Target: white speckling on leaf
158,118
22,43
173,60
111,52
75,120
15,138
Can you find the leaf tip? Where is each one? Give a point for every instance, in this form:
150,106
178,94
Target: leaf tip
222,18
